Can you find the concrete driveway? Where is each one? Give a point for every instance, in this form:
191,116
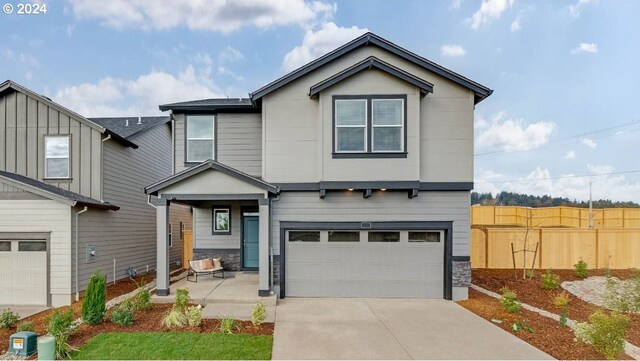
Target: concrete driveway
322,328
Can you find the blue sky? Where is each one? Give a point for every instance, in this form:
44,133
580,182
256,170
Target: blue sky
564,72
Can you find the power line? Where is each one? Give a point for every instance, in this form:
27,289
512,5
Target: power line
561,177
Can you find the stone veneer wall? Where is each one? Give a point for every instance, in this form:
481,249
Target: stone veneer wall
461,274
230,257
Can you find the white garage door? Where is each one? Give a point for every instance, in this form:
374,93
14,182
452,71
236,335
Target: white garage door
394,264
23,272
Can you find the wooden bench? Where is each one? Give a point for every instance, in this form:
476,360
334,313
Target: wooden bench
205,266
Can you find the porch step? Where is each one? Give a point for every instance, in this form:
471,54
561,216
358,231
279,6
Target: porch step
230,299
237,311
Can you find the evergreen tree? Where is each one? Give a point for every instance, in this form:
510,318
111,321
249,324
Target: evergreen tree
94,302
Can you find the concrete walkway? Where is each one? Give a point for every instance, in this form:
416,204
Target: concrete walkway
24,311
390,329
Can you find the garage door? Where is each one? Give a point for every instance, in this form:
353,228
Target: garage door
395,264
23,272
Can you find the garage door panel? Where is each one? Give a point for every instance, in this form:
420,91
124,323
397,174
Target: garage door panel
23,277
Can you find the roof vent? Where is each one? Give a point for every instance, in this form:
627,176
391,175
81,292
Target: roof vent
139,120
126,122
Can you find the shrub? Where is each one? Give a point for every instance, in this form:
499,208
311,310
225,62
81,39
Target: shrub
258,313
550,281
26,326
530,274
175,319
93,305
61,326
122,316
581,269
128,304
522,325
227,325
622,296
143,300
562,301
194,316
182,299
605,332
509,301
8,319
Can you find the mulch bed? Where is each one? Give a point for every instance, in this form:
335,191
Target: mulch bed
40,319
549,335
530,292
149,321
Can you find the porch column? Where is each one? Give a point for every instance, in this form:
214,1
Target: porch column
263,248
162,246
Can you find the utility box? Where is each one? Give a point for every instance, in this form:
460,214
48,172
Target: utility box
23,343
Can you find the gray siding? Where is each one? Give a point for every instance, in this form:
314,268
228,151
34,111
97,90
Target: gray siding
382,206
238,142
202,230
129,235
24,121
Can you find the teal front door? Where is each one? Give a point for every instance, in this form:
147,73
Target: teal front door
250,229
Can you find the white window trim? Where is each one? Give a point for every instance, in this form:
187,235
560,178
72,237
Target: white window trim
401,126
68,157
212,139
365,125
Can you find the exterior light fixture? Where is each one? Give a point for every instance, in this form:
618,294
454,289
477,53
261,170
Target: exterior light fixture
383,189
350,189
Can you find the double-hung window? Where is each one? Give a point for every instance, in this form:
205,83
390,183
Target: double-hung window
57,155
369,126
200,138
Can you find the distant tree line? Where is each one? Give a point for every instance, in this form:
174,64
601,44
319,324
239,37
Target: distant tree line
527,200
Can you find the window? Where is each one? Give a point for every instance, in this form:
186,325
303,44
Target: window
351,125
5,246
304,236
342,236
170,235
370,126
181,230
32,246
56,164
425,236
221,221
200,138
384,236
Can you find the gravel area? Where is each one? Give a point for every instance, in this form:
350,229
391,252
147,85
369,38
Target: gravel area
591,289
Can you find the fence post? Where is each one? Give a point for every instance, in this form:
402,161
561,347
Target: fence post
486,247
540,249
597,250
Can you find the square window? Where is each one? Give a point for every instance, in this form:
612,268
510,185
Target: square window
222,220
432,237
5,246
384,236
344,236
304,236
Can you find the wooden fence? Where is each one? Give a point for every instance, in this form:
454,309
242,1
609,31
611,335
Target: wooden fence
560,245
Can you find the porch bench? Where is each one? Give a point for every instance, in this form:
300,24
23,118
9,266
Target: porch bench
205,266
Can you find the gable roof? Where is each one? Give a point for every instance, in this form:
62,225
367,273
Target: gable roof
11,85
214,104
52,192
206,165
127,127
370,39
369,63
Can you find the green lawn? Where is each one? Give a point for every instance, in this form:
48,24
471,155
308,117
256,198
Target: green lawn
175,346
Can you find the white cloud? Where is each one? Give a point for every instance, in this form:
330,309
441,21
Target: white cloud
210,15
514,134
539,182
589,143
571,154
515,25
136,97
489,10
224,71
24,59
574,9
455,4
315,44
451,50
230,55
585,48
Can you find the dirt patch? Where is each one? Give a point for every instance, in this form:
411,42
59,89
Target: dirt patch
530,292
149,321
548,336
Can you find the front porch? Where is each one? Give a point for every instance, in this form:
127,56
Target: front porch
232,296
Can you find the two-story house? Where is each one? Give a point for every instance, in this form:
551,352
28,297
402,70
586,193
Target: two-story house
348,177
72,200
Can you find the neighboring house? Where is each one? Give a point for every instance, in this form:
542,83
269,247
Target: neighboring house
348,177
70,183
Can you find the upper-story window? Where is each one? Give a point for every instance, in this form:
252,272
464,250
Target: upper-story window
57,155
370,126
200,138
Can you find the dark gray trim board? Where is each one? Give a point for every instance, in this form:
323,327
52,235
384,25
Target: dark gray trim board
213,197
371,63
447,226
162,292
388,185
370,39
461,258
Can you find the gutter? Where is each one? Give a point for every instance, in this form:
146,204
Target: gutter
76,226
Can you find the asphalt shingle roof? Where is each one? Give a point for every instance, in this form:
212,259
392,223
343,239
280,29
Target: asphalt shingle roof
211,104
72,196
129,126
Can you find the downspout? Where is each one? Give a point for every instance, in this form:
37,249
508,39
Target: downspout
149,201
77,214
173,144
107,138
